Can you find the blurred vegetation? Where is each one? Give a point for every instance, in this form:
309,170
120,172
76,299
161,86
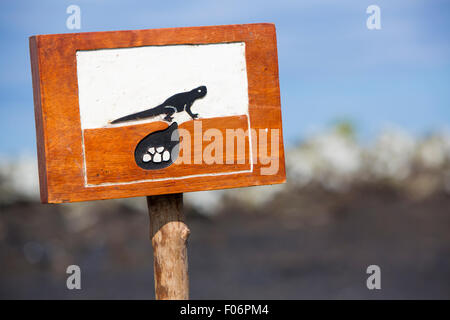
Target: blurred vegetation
344,206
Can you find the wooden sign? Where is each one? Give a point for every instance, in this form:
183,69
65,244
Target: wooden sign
147,112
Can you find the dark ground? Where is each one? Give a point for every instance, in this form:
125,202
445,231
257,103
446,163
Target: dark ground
306,244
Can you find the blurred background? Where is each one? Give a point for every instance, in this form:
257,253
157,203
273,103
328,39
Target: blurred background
366,118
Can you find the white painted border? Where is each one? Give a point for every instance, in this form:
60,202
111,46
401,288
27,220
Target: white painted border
88,185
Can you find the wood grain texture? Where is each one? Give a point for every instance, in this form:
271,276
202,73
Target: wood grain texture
58,127
110,152
169,235
38,116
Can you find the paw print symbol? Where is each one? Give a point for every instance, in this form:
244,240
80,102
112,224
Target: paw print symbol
156,155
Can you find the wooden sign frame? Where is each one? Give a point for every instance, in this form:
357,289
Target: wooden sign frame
62,167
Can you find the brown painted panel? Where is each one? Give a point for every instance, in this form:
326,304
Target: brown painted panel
62,167
110,152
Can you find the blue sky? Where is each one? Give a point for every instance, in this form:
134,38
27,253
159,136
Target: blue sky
331,66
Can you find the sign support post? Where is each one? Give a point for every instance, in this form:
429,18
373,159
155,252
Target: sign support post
156,113
169,235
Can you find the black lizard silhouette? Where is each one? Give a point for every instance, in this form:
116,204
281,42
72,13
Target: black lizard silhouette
177,103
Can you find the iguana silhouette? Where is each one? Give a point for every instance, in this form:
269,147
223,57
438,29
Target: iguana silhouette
177,103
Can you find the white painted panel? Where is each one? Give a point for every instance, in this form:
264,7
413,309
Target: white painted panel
116,82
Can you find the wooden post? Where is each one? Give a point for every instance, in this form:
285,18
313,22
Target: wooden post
169,236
